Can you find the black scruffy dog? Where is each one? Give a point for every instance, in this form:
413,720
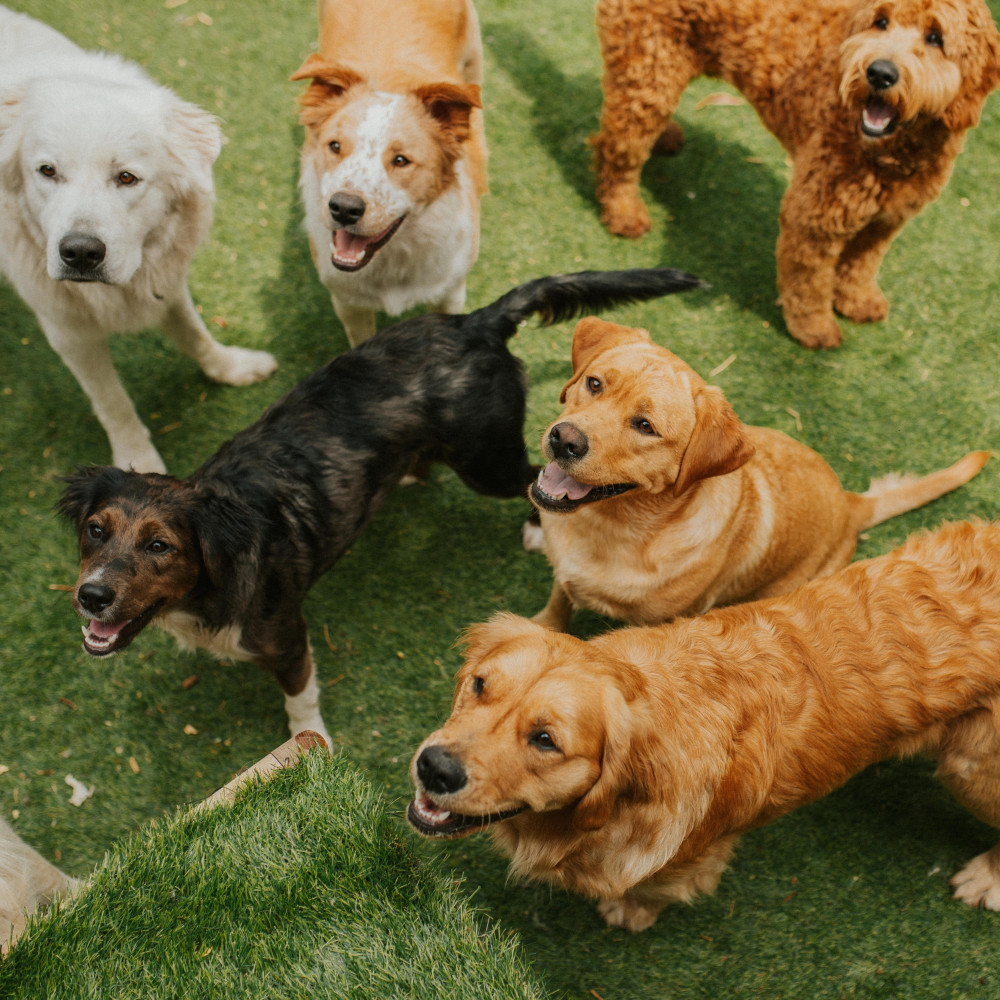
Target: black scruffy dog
223,559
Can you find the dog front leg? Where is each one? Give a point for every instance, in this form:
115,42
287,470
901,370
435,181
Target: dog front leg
358,323
856,295
557,613
89,359
294,671
221,363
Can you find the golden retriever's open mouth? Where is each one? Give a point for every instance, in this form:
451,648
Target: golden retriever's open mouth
105,638
878,119
558,491
351,251
432,821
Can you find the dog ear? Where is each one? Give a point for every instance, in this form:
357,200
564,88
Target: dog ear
480,640
594,810
718,443
980,76
89,486
193,142
11,134
450,106
593,336
329,83
225,532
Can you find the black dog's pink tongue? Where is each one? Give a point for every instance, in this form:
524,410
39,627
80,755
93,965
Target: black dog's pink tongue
556,483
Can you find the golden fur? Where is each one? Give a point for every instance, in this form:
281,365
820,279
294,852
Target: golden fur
626,767
869,149
719,512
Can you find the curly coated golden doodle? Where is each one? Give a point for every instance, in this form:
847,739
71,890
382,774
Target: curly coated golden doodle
657,501
626,767
871,99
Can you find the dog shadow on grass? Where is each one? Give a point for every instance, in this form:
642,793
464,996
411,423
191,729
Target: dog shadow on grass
721,202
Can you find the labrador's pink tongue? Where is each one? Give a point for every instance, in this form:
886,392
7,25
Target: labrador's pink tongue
349,248
104,630
556,483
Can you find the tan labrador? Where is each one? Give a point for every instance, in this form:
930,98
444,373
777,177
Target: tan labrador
658,501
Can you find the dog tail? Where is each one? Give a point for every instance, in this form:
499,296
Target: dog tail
895,494
564,296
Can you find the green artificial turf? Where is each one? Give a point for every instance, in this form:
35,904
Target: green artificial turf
847,898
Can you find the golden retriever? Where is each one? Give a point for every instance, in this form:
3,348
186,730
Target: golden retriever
657,501
626,767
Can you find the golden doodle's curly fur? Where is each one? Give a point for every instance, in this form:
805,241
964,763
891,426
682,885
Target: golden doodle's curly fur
626,767
872,100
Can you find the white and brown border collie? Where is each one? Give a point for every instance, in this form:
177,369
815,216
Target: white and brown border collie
394,161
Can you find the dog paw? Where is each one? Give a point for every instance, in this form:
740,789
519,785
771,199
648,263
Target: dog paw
239,365
862,308
978,883
817,332
139,455
625,215
628,913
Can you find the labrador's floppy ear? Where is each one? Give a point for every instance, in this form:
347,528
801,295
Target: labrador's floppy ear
718,443
593,336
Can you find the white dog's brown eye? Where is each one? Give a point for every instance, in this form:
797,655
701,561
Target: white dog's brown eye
934,38
594,384
544,740
47,170
400,161
334,146
126,179
643,426
477,686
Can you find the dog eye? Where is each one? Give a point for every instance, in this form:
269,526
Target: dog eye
400,161
157,546
881,23
594,384
934,38
643,426
95,531
477,686
334,147
544,740
126,179
47,170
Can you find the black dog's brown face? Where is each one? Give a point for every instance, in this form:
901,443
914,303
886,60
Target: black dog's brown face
139,552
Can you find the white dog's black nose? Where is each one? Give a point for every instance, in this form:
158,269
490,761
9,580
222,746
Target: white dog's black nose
95,598
346,208
566,441
82,252
439,771
882,74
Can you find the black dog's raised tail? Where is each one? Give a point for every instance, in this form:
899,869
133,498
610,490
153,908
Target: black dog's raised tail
565,296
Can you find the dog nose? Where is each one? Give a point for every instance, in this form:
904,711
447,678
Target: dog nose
95,598
81,252
567,442
882,74
439,771
346,208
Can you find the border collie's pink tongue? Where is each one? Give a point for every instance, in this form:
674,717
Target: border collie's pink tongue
349,249
556,483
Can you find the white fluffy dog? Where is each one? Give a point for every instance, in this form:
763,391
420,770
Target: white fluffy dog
105,193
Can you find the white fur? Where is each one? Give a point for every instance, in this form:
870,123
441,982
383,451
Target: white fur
91,121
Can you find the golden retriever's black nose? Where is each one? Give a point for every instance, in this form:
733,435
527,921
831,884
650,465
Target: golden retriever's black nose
882,74
95,598
81,252
439,771
566,441
346,208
